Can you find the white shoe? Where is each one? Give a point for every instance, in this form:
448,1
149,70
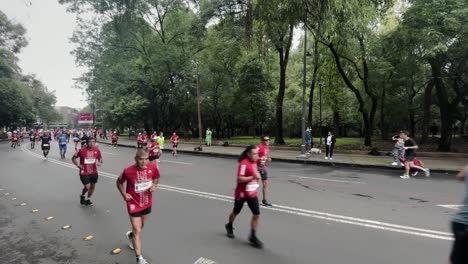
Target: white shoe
414,174
129,237
406,177
330,158
402,164
427,172
326,158
141,260
394,163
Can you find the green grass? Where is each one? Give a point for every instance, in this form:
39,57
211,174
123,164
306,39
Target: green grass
292,141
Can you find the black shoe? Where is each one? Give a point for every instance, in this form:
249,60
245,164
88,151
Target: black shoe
254,241
266,203
229,230
82,200
88,203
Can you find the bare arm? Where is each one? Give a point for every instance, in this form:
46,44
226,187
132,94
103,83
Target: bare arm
120,187
461,174
244,179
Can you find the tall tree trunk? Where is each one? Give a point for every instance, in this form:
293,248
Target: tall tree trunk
336,123
383,129
446,117
426,122
314,81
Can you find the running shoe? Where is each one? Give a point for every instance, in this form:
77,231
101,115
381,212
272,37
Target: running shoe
129,236
82,200
141,260
331,159
229,230
427,172
394,163
266,203
406,177
88,203
326,158
414,173
254,241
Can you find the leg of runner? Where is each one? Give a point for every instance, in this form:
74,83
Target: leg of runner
426,171
137,226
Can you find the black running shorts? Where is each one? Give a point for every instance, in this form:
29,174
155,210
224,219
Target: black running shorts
251,202
409,158
141,213
93,178
459,253
151,158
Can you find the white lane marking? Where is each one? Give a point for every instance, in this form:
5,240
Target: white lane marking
177,162
451,206
322,179
297,211
204,261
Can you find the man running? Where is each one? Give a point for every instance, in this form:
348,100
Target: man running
459,253
263,157
89,156
14,139
246,191
45,139
175,142
32,138
161,141
141,182
410,153
114,138
76,139
62,139
154,151
21,136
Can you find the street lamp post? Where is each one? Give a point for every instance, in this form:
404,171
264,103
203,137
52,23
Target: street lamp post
303,147
200,132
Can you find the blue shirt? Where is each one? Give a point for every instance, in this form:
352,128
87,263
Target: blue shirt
461,216
62,139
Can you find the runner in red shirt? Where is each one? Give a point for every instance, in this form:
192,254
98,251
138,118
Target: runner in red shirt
175,142
144,139
154,151
89,156
114,138
154,134
264,156
14,139
246,191
142,179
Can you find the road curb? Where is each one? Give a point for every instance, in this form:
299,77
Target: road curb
297,161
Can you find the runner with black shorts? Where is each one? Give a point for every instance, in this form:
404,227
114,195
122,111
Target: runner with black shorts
89,156
246,191
45,139
175,143
32,138
76,139
459,253
141,179
154,151
14,139
410,154
263,157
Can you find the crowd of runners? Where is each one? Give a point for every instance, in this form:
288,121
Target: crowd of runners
139,181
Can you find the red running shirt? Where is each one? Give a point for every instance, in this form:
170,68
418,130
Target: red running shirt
88,159
175,139
263,153
246,168
139,182
114,137
154,152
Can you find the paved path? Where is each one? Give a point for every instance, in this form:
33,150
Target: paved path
437,164
321,214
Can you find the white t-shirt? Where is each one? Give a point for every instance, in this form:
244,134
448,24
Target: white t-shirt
329,140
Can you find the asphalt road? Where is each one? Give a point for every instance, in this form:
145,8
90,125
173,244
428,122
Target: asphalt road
320,214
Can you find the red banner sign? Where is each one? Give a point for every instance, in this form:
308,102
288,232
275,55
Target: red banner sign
84,118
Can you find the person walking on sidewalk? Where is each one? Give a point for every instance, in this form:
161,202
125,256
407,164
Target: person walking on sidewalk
410,148
308,139
142,180
459,254
329,145
398,150
263,157
247,192
208,137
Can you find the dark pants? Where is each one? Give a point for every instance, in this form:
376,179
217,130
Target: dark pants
329,150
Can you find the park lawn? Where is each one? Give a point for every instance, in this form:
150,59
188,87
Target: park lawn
293,141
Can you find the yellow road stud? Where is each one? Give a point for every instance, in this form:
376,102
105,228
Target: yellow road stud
116,251
87,238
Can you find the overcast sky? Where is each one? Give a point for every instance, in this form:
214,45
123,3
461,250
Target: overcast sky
49,28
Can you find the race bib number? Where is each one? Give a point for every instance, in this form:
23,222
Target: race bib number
45,145
32,137
143,186
89,161
252,186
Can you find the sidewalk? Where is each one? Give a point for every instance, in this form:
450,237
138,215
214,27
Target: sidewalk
439,164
